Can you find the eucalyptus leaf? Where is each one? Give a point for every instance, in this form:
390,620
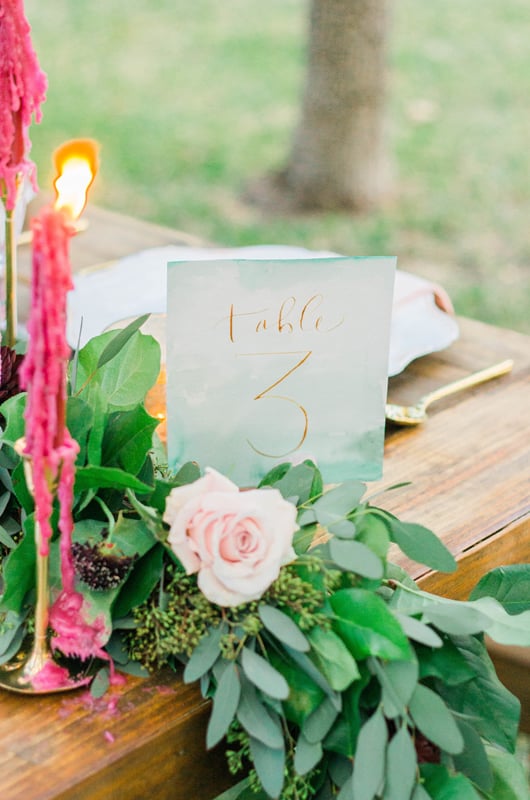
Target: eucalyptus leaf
419,793
14,645
6,539
356,557
369,762
336,503
456,619
401,766
11,623
342,738
8,460
504,628
225,703
344,529
188,473
204,655
241,791
398,681
234,792
134,668
100,683
269,764
263,675
340,769
256,718
435,721
346,791
420,544
509,585
418,631
307,755
305,663
473,761
306,516
283,627
4,500
451,616
372,531
116,647
297,482
11,526
319,722
485,615
5,475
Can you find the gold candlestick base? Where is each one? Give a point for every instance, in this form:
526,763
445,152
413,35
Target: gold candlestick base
35,669
24,673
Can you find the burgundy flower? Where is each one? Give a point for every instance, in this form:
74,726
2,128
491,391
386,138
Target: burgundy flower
9,373
100,566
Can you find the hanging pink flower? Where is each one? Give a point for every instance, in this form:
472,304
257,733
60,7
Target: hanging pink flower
43,372
22,90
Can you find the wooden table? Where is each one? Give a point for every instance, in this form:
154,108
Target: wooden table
469,466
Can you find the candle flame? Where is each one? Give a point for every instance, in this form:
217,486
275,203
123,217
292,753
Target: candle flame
76,164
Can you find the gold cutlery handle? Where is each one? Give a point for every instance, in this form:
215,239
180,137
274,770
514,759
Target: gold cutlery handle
475,378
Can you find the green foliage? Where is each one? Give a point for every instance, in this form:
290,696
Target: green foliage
343,680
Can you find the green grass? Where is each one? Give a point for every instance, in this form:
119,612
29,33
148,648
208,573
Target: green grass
191,101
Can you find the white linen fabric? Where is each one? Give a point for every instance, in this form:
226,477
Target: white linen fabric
422,315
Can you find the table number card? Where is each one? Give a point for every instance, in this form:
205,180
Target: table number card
274,361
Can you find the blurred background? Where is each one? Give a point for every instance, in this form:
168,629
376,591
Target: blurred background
192,102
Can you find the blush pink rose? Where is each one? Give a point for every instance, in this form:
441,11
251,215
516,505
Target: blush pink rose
236,541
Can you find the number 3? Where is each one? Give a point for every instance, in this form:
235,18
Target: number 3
265,395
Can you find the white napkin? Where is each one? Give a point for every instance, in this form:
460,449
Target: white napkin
422,319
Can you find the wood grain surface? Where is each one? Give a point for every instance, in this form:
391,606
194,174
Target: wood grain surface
469,467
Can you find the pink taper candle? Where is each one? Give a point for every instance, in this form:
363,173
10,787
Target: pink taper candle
48,442
22,90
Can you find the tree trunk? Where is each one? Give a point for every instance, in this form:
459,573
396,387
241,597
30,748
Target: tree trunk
339,158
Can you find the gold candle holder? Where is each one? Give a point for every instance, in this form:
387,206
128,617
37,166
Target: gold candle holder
10,249
23,674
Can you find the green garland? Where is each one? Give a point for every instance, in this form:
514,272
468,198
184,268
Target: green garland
343,680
